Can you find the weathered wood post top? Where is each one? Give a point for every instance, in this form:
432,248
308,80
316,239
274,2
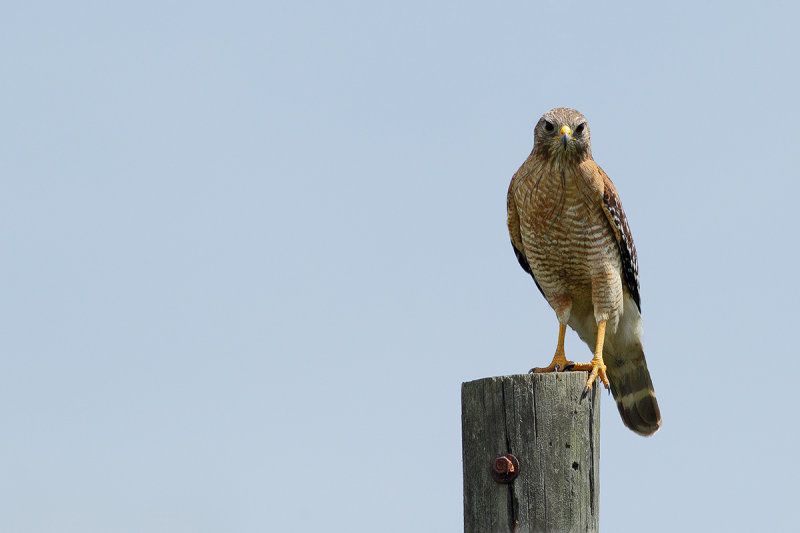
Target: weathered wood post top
541,423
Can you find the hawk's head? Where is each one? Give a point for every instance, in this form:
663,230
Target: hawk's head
563,133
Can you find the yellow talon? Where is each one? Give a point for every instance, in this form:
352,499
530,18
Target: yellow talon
597,369
558,364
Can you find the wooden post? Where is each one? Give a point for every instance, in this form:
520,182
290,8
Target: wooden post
553,433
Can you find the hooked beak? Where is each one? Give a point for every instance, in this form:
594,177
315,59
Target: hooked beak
566,135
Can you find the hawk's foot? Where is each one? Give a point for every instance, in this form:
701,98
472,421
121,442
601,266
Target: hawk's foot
596,368
558,364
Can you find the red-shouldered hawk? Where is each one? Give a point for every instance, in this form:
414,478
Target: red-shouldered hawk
569,232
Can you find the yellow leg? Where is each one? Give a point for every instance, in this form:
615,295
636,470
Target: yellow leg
559,359
596,365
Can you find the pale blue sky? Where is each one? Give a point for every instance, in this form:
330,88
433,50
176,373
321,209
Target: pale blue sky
251,250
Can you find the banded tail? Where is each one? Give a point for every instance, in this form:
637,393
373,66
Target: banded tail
633,391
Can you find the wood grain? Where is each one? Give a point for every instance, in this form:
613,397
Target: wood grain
555,435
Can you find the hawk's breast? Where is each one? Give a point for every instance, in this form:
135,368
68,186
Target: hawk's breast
567,239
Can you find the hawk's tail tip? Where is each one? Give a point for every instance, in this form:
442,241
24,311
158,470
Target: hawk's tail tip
641,415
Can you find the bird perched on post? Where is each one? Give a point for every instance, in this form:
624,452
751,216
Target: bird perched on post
570,234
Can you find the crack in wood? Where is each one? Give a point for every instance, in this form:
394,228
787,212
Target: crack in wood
512,501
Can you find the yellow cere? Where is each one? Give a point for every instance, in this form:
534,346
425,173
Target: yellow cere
566,130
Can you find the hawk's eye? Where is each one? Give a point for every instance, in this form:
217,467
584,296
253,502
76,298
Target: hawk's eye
548,126
579,129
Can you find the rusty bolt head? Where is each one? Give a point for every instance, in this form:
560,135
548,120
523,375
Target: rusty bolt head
505,468
503,465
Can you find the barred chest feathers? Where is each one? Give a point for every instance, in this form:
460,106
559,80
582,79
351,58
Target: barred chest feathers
569,245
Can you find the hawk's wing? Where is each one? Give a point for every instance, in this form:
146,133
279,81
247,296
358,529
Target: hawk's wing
516,236
612,207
